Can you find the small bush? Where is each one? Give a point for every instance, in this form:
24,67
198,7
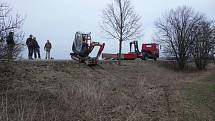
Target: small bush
173,65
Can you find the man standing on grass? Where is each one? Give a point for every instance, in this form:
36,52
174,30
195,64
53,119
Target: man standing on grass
36,49
30,44
47,48
10,45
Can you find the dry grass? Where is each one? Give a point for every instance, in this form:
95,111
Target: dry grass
69,91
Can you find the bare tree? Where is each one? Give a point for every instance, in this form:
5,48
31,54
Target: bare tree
203,46
175,32
213,46
120,22
10,23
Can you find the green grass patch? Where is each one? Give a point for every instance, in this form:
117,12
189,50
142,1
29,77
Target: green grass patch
202,93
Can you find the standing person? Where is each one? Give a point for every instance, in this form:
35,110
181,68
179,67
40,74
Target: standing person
36,49
47,48
30,44
10,44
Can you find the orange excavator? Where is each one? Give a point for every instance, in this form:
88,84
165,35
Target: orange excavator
83,46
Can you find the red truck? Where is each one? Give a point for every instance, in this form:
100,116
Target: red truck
149,51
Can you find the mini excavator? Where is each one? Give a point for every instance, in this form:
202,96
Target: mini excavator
83,46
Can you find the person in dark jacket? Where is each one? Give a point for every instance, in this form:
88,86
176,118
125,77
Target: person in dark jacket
10,44
47,48
36,49
30,44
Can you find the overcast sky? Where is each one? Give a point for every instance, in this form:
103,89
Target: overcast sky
58,20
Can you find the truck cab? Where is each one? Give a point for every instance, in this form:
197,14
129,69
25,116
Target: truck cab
150,51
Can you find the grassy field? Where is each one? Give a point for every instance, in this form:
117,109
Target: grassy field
202,93
134,91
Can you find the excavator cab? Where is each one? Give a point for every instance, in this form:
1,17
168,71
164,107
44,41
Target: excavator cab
83,46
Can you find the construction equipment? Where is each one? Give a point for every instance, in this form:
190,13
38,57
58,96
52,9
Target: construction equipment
149,51
83,46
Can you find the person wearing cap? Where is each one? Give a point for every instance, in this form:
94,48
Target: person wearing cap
30,45
36,49
47,48
10,44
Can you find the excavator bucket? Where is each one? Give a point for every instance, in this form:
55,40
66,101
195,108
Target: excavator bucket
83,46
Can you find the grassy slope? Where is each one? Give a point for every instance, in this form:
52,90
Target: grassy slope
202,92
135,91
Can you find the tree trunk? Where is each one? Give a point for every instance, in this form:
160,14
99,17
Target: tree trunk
181,63
121,29
120,52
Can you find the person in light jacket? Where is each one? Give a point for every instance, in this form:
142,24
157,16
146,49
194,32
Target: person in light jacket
47,48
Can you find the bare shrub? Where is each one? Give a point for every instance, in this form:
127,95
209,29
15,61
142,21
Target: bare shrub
10,23
176,32
202,48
